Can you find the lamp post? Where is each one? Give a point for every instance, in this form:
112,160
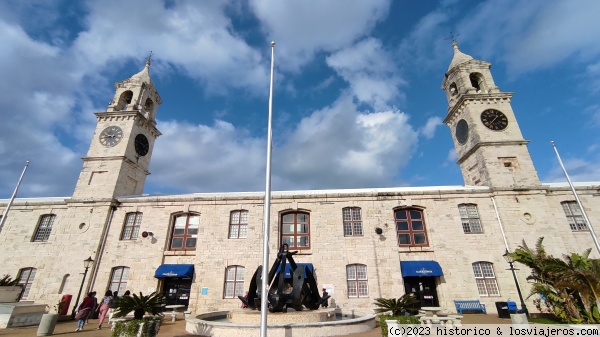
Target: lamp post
87,263
510,261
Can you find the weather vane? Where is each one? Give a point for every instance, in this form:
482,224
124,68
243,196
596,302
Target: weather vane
148,59
452,36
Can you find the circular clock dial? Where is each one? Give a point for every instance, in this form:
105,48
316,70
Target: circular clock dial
462,131
141,145
111,136
494,119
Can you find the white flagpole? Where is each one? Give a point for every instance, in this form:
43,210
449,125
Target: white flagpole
5,213
587,220
264,308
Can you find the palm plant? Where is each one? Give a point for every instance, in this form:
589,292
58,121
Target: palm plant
7,281
396,305
140,305
570,285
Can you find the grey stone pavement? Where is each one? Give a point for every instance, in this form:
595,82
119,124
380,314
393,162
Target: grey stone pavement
177,329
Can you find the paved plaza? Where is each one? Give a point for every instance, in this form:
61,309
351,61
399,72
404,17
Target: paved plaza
174,329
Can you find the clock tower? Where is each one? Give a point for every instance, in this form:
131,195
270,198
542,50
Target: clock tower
489,144
119,155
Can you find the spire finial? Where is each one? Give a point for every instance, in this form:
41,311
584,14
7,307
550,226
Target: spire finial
453,37
148,60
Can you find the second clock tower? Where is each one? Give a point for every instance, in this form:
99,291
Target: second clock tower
119,156
490,147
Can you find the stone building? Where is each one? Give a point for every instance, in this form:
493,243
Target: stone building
441,242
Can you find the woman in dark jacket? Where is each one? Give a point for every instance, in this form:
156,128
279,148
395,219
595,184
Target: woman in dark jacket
84,310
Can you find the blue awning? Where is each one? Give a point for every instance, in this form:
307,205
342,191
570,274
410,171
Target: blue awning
420,268
288,269
175,270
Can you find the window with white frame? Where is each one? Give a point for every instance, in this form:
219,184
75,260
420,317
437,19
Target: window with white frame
118,279
356,278
470,218
486,279
234,282
26,277
131,227
574,215
352,221
238,224
44,228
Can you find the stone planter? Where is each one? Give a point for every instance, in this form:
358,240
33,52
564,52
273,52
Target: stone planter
137,328
10,294
47,324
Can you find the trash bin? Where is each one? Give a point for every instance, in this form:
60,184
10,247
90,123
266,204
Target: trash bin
512,307
502,308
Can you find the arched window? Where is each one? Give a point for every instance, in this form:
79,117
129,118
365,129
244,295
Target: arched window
124,100
238,224
185,231
356,278
486,279
574,215
477,81
149,104
295,230
470,218
410,227
453,89
131,227
26,277
118,279
352,221
44,228
234,282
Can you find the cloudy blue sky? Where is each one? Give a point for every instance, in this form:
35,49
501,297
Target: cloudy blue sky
357,98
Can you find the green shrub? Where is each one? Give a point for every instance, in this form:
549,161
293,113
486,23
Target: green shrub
399,319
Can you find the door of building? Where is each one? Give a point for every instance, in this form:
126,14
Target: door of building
177,290
424,289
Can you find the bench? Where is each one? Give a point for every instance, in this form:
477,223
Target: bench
470,305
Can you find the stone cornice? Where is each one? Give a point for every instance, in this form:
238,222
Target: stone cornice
115,116
123,158
458,107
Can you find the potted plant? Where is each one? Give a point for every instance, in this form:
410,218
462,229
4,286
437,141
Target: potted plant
10,290
398,306
139,305
48,322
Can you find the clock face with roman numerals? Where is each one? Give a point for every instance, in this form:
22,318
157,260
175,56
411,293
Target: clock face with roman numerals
494,119
111,136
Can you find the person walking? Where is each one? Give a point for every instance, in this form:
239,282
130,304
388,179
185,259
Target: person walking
325,304
94,313
105,304
85,308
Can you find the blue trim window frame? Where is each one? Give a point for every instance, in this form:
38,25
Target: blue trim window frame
295,230
352,221
574,216
131,227
185,231
44,228
234,282
410,227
